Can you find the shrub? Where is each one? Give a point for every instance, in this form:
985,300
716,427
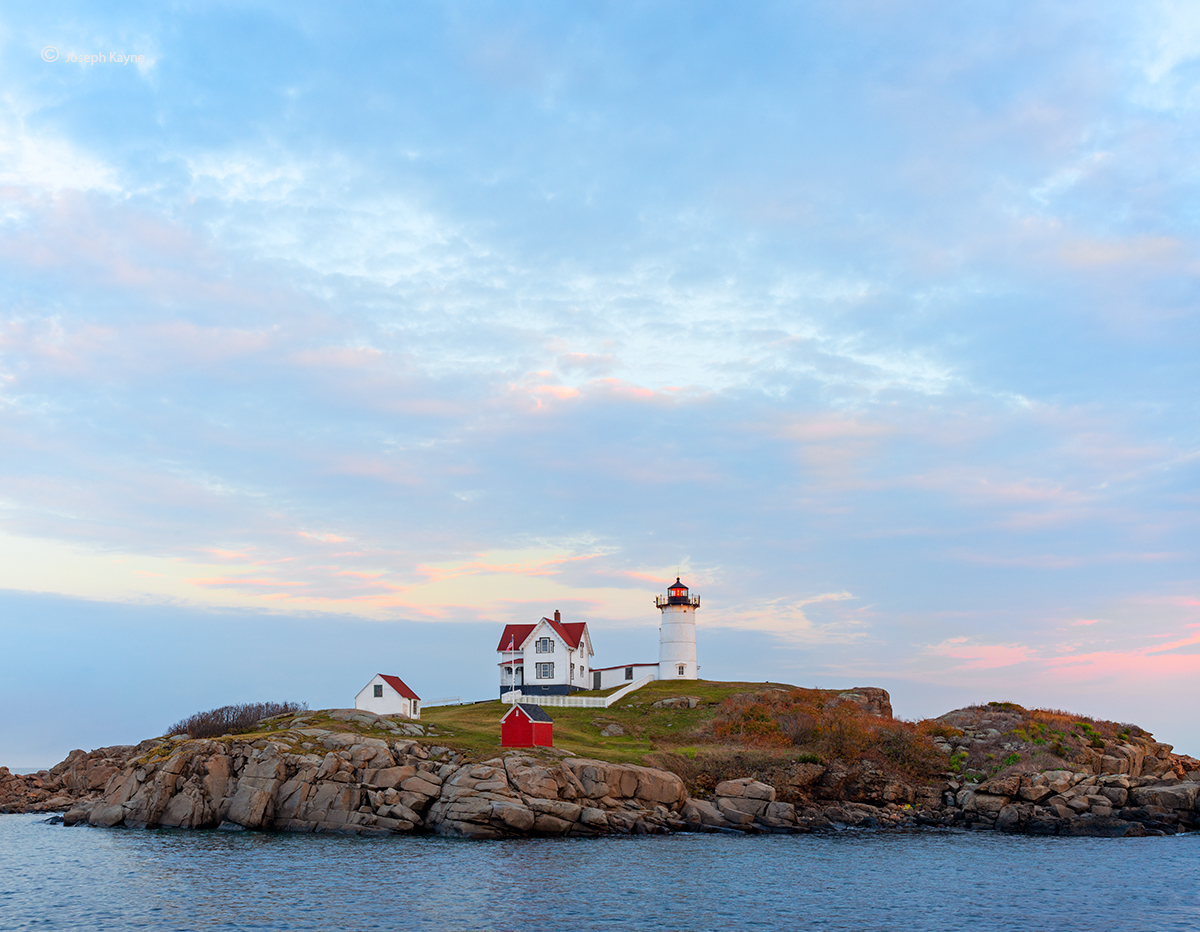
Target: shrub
908,748
233,719
754,724
799,725
843,734
936,729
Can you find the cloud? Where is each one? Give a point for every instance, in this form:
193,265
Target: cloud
894,362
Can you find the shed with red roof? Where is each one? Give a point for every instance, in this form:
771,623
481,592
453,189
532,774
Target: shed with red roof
388,695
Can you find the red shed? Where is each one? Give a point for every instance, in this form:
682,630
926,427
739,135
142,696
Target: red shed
525,725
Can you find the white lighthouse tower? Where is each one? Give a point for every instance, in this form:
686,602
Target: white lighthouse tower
677,636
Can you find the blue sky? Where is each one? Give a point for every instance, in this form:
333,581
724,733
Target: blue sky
331,339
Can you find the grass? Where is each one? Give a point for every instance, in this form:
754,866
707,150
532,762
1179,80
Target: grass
735,728
476,728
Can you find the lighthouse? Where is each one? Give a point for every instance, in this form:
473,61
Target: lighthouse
677,635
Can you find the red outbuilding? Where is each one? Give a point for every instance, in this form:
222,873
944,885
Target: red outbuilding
525,725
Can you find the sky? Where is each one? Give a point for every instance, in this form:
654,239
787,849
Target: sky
334,337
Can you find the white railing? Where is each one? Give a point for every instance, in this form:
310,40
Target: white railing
581,702
445,700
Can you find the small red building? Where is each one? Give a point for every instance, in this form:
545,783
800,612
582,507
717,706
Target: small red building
525,725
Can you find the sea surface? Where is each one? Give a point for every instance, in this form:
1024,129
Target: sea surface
53,877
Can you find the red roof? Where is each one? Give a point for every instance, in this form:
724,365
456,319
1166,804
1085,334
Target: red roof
516,635
570,632
398,684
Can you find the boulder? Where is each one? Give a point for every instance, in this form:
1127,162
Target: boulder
870,699
1058,780
1178,796
1003,786
677,702
747,786
107,816
1008,819
734,815
700,814
779,814
251,807
989,804
1035,794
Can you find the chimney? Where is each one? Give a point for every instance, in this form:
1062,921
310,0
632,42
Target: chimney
557,616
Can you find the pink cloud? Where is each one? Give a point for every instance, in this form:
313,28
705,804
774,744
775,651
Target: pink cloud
560,392
1142,250
983,656
324,538
834,427
236,582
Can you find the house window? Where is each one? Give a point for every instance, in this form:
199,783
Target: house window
682,669
545,645
629,673
378,692
545,671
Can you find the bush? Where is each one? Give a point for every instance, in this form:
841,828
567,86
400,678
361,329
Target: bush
754,724
233,719
845,734
908,748
821,730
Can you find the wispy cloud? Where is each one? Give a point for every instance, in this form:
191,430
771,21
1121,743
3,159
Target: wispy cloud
894,362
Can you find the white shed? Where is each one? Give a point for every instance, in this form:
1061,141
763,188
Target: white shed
388,695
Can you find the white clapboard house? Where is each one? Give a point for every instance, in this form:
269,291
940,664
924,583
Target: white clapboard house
388,695
549,658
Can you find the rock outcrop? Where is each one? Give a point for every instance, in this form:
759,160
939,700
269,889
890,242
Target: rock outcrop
1062,802
871,699
82,775
323,780
365,774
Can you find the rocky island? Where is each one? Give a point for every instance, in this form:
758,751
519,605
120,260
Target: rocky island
734,757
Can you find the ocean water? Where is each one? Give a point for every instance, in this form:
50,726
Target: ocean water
53,877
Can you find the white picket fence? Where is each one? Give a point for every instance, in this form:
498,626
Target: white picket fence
581,702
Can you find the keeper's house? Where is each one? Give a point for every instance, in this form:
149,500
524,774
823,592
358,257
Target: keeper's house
525,725
608,677
388,695
550,658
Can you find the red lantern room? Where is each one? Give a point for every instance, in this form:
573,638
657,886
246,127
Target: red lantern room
677,594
